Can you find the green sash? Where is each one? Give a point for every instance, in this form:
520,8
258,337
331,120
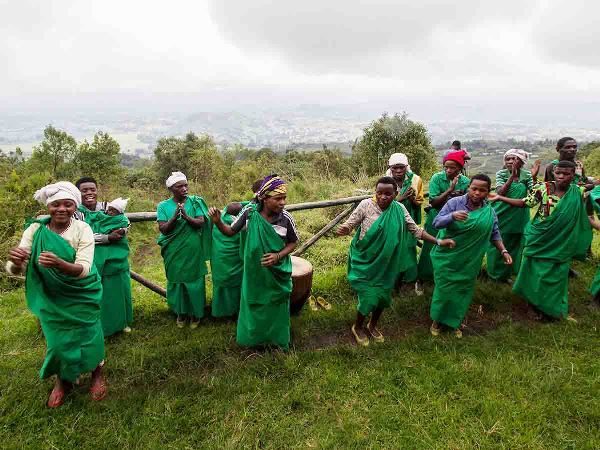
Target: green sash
455,270
595,198
68,309
413,210
376,260
550,245
264,317
438,184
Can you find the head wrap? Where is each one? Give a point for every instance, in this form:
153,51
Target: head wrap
397,158
63,190
271,186
175,178
458,157
119,204
521,154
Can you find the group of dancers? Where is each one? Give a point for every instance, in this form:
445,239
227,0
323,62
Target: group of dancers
75,261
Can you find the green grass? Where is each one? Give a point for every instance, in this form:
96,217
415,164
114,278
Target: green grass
509,383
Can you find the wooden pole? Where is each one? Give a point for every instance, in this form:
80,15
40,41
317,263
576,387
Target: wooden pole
149,284
341,216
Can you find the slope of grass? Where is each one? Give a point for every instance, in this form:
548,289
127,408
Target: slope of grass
509,383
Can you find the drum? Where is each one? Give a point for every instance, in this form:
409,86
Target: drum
302,274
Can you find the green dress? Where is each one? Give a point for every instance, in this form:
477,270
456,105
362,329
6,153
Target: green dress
410,274
512,222
376,260
264,317
438,184
185,251
595,199
456,269
227,269
551,243
112,262
68,309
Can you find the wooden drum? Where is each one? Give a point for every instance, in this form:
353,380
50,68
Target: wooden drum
302,274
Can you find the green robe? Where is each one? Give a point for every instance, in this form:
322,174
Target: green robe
512,222
376,260
112,262
549,247
68,309
227,269
438,184
456,269
264,317
185,251
410,274
595,199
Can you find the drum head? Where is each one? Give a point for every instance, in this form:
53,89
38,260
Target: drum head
300,266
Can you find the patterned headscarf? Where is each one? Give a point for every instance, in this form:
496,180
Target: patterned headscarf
521,154
271,186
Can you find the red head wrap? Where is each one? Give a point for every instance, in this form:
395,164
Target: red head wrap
458,157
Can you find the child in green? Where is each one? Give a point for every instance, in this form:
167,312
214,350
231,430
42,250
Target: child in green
379,254
271,236
185,243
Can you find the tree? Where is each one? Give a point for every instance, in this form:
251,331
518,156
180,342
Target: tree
388,135
592,162
174,154
101,159
55,150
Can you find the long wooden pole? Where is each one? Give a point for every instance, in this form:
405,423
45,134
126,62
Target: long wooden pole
149,284
341,216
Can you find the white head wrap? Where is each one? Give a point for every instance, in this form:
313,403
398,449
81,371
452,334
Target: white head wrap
63,190
175,178
119,204
521,154
397,158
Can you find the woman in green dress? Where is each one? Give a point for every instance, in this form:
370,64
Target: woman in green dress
63,289
559,232
595,200
514,182
472,223
264,317
185,245
443,186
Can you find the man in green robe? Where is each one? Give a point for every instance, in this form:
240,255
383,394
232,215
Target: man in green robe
271,236
559,232
472,223
185,245
378,254
514,182
595,201
443,186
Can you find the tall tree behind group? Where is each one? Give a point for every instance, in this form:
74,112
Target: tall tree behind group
54,151
391,134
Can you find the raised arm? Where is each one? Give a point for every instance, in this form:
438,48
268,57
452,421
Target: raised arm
438,201
165,227
215,216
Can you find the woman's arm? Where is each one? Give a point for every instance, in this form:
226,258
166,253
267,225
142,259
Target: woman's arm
502,249
168,226
195,222
215,216
502,190
270,259
517,202
438,201
50,260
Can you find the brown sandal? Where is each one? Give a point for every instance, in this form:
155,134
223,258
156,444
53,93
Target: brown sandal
98,390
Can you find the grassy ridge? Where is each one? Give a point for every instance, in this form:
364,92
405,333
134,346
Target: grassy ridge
509,383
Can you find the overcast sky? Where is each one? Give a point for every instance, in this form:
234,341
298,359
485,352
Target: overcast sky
336,50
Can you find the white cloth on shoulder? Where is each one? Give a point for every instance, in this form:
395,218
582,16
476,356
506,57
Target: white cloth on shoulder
175,178
62,190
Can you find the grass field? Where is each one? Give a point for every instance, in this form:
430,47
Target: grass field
509,383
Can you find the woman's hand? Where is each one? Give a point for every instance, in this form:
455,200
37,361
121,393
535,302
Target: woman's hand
343,230
18,256
493,197
214,214
454,182
536,168
507,258
269,259
447,243
49,260
460,216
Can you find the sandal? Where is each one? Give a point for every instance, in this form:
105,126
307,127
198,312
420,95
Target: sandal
458,333
98,389
323,303
194,323
364,341
180,322
312,303
434,329
375,333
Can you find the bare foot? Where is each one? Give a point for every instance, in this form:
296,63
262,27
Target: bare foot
98,388
58,394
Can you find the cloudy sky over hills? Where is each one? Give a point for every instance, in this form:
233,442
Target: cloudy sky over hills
333,51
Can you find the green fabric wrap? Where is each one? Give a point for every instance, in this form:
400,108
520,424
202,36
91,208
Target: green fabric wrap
68,309
185,251
595,199
376,260
549,247
512,222
438,184
264,317
456,270
227,270
112,262
415,211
